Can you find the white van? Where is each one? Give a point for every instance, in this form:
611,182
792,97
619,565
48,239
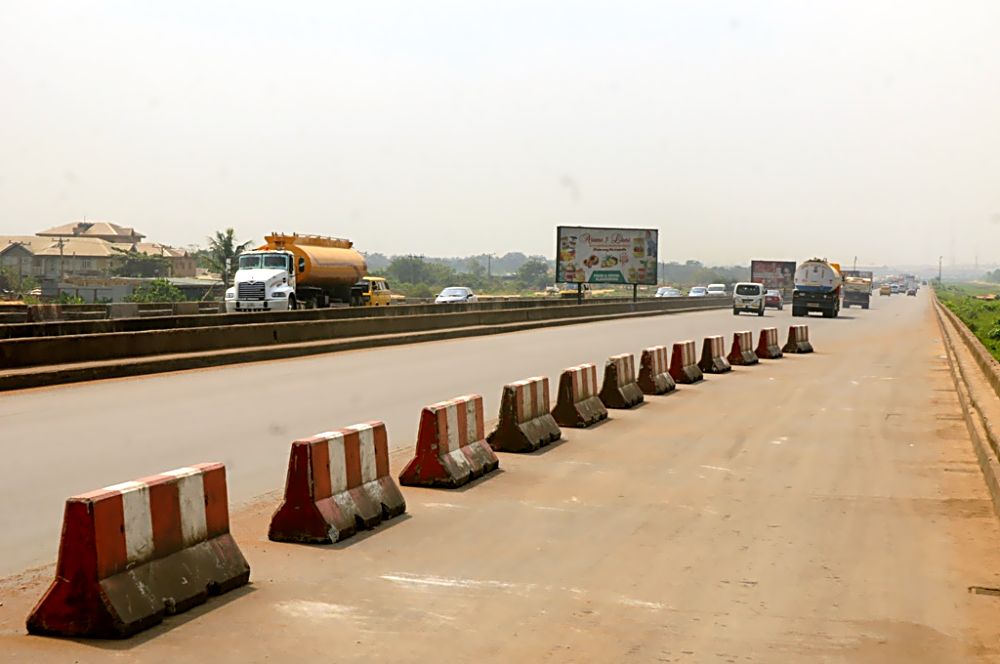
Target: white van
748,297
717,289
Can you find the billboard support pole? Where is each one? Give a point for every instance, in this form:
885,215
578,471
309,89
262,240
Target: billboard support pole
579,293
635,292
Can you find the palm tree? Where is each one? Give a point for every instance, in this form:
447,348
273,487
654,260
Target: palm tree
223,252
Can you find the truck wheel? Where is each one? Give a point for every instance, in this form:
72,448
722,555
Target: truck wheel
736,312
293,304
760,312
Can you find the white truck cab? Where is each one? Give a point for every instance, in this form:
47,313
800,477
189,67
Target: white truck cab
748,296
265,281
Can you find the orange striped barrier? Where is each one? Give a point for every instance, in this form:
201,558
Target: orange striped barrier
620,389
451,445
713,356
654,371
798,340
133,552
768,347
577,403
742,351
337,482
525,423
684,363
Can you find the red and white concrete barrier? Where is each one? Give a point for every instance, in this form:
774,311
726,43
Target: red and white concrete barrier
713,356
742,350
619,389
451,445
338,482
133,552
577,403
768,347
798,340
684,363
525,423
654,371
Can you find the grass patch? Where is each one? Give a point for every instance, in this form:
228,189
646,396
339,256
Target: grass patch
982,317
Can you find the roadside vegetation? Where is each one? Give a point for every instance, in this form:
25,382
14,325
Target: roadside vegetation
978,306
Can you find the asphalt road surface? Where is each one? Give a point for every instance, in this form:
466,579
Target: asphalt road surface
817,508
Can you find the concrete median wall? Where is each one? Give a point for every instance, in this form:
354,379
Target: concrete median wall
172,322
67,349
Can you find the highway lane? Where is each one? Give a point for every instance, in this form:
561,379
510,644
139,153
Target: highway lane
68,439
818,508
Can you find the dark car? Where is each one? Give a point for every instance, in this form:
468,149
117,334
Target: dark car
774,299
911,291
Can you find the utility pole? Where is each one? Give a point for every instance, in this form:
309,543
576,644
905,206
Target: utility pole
855,263
489,265
62,271
940,258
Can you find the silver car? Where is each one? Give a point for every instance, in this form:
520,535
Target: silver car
456,295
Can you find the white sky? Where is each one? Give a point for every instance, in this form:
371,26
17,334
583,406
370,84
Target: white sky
741,129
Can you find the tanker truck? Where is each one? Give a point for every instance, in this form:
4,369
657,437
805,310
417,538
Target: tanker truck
817,288
293,271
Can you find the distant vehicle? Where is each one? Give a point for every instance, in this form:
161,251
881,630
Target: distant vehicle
371,292
570,290
911,291
817,288
857,290
294,270
748,297
666,291
35,292
698,291
885,289
895,289
456,294
717,289
923,283
774,299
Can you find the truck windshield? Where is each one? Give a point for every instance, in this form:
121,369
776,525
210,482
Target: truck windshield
250,262
275,261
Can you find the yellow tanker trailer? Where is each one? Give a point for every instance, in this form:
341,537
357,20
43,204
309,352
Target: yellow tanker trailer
292,271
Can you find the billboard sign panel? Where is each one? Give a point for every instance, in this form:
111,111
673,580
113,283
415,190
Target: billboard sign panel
777,275
589,255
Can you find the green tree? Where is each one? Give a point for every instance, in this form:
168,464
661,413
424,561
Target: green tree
534,273
18,284
224,252
157,290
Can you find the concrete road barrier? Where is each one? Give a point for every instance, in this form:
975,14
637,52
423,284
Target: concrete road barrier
798,340
451,445
713,356
338,482
577,403
684,363
768,346
525,423
654,371
619,389
742,352
133,552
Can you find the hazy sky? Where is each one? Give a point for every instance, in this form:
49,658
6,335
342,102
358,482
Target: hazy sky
740,129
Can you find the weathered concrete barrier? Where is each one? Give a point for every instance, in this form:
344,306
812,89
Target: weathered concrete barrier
577,403
133,552
525,423
684,364
619,389
451,445
768,347
337,482
654,371
742,350
713,356
798,340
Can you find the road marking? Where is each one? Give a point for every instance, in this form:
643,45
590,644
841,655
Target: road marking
300,608
446,582
446,505
725,470
628,601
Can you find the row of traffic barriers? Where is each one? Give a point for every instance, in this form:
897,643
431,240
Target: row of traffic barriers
131,553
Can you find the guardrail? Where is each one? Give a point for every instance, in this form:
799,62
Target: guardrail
173,322
52,350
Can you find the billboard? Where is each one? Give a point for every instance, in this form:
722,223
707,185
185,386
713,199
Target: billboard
779,275
587,255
